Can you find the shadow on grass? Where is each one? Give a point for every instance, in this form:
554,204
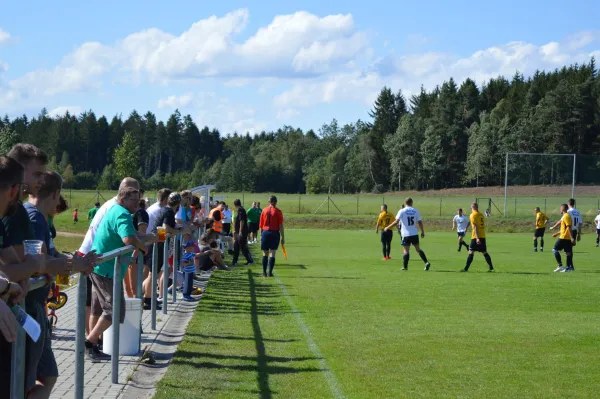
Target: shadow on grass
326,278
237,338
275,359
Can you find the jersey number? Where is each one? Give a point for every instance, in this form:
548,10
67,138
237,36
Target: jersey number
411,220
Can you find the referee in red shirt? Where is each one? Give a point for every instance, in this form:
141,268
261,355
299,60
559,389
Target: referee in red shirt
271,224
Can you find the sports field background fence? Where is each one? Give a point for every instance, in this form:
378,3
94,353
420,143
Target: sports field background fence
432,206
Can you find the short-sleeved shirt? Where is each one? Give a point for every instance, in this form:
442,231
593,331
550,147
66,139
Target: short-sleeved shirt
477,220
18,226
241,216
140,217
597,221
408,217
253,215
540,220
152,211
462,222
116,225
271,218
91,213
566,225
88,241
227,216
185,215
575,218
188,257
4,239
165,216
385,219
40,227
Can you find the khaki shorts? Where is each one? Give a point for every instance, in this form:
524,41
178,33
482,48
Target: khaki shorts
102,298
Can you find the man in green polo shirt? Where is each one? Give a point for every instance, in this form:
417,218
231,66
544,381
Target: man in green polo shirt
253,219
115,231
92,212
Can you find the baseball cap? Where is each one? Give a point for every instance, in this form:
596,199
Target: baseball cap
189,244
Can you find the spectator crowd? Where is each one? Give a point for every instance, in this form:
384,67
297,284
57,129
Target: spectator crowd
30,199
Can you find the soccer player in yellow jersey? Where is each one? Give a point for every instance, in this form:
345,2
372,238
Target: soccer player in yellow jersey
540,228
384,220
565,240
477,238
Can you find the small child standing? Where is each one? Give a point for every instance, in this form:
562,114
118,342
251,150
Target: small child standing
189,269
76,216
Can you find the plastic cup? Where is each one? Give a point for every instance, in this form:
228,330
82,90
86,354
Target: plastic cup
32,247
162,234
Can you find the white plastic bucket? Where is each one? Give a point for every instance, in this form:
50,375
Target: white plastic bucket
129,334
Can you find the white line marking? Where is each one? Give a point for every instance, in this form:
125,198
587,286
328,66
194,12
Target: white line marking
333,383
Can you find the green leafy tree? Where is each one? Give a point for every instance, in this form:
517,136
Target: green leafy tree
8,138
126,157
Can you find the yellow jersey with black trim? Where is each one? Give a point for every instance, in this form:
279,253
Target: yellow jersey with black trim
540,220
385,219
477,220
566,225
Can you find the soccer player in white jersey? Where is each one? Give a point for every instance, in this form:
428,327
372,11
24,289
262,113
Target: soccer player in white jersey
461,223
577,220
597,221
409,218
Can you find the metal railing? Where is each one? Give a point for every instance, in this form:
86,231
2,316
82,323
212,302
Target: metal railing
17,390
17,365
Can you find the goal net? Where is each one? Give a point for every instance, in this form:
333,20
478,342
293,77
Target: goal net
537,180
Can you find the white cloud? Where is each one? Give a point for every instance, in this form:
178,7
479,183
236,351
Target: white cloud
295,45
60,111
409,72
287,113
5,37
176,101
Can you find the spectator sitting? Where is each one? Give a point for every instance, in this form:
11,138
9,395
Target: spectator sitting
210,256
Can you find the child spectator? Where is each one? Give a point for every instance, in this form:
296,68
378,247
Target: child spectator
189,269
75,216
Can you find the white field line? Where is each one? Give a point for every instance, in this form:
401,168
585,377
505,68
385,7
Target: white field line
333,383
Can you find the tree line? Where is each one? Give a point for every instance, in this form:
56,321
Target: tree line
451,136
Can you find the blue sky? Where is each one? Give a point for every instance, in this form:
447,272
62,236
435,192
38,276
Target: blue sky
242,66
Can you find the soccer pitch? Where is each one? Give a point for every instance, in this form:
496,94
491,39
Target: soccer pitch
336,321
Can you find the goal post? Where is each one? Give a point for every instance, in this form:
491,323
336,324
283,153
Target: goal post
533,154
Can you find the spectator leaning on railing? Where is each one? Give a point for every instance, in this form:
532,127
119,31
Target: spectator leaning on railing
88,242
115,231
162,200
16,266
40,356
11,182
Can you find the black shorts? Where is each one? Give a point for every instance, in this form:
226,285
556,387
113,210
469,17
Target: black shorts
460,233
410,240
226,229
481,247
387,236
598,232
270,240
563,245
539,232
574,237
252,228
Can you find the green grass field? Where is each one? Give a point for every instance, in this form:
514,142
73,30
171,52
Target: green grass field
338,322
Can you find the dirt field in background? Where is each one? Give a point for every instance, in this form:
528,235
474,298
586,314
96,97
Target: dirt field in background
513,191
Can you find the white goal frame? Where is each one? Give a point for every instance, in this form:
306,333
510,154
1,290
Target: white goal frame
537,154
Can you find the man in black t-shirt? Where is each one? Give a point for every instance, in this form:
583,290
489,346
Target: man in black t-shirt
11,185
165,218
240,235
